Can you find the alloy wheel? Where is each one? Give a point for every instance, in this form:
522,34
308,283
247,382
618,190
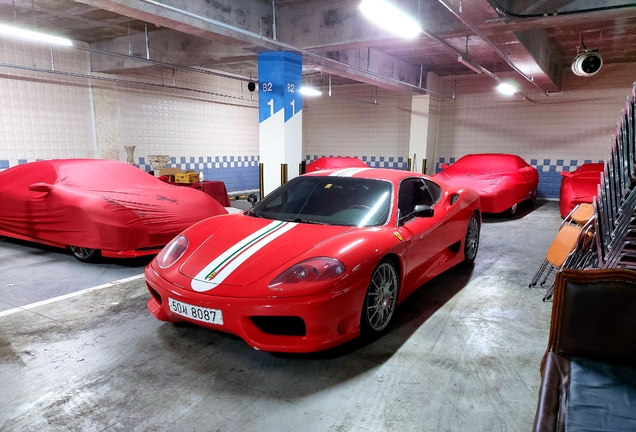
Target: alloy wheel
381,296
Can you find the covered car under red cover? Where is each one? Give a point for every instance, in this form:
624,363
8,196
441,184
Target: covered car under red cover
318,260
502,180
97,205
325,163
579,186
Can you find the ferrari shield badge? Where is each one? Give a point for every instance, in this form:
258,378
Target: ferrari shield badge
399,236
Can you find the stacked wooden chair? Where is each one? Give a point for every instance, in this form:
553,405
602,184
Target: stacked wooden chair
571,248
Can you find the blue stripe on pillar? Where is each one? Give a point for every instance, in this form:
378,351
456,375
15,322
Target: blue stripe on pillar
278,86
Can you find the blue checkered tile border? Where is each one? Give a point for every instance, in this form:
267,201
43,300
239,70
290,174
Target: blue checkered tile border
239,173
202,163
549,173
373,161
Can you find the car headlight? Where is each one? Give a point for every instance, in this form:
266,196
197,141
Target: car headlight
172,252
312,270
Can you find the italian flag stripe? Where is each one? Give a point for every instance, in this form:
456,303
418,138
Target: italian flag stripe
242,247
220,268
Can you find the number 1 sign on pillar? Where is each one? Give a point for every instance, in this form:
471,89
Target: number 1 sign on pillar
280,133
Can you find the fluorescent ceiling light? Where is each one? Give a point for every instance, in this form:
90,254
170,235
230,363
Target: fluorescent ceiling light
308,91
36,36
507,89
466,61
391,18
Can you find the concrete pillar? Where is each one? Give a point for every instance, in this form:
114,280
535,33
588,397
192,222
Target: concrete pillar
107,130
280,116
424,118
433,83
418,141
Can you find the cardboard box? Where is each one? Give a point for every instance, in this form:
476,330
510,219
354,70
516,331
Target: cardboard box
169,171
188,177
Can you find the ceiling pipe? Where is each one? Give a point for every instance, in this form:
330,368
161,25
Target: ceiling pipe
163,64
475,67
125,81
130,56
506,13
286,46
483,37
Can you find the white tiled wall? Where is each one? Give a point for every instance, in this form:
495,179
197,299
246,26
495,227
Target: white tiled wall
189,124
213,129
576,124
107,128
43,116
561,130
49,116
356,122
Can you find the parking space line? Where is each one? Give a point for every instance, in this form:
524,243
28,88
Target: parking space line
67,296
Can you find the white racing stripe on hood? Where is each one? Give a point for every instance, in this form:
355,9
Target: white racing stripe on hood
347,172
218,270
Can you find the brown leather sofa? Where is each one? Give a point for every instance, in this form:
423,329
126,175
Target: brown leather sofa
588,374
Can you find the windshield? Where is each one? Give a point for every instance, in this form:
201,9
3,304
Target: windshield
329,200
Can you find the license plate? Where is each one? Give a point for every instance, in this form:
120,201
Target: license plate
212,316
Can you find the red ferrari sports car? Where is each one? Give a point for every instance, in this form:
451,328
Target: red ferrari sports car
579,186
97,207
320,258
325,163
503,181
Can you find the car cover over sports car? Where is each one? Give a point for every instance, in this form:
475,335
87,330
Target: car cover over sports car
97,205
325,163
502,180
579,186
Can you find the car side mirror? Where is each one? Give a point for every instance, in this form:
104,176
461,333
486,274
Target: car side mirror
252,199
40,187
423,211
444,166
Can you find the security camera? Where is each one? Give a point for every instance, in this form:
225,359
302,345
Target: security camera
587,63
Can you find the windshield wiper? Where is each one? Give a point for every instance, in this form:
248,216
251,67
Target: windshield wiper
310,221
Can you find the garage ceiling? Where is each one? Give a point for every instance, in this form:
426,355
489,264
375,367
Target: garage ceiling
538,38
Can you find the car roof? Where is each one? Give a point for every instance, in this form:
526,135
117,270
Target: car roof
490,156
393,175
57,163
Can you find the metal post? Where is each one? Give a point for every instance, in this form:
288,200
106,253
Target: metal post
274,20
423,166
261,187
147,44
283,174
408,164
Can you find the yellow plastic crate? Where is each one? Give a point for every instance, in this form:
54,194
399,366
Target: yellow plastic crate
188,177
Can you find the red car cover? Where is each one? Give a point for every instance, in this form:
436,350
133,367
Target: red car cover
99,204
579,186
324,163
501,180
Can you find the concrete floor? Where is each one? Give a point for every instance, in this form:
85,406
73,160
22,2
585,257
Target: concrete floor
462,354
31,273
